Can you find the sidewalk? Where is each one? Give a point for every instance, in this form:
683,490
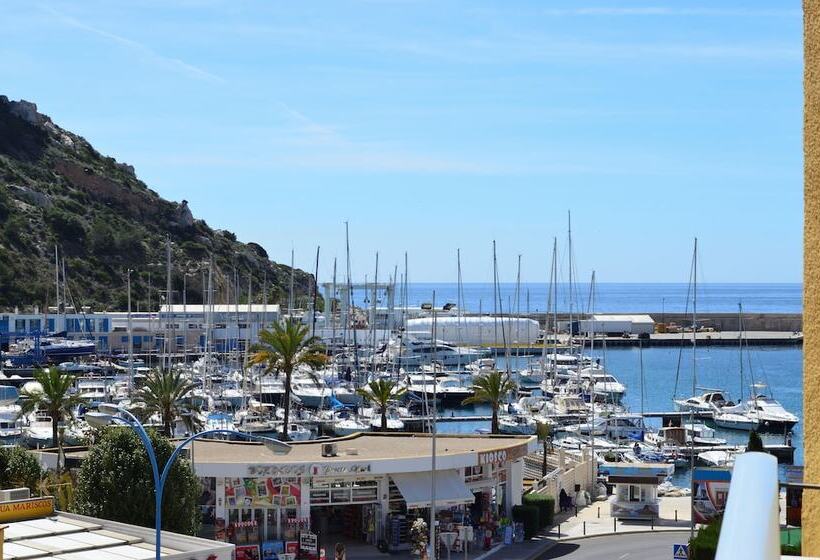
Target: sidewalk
592,520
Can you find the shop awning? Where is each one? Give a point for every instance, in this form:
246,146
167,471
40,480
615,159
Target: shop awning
416,487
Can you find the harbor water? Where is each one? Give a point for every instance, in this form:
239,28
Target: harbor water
718,367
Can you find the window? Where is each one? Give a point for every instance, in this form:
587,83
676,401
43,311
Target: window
34,324
635,493
20,325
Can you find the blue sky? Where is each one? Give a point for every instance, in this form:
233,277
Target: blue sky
437,125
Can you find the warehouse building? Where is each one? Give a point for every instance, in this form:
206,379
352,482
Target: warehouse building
615,325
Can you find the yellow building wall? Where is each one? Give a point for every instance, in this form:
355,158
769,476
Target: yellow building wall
811,275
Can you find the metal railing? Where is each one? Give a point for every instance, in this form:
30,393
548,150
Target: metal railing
751,522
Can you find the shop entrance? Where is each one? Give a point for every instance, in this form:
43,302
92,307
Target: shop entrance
354,523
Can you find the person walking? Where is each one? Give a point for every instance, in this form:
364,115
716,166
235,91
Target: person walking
340,553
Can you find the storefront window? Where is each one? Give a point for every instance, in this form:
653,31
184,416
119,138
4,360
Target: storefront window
261,509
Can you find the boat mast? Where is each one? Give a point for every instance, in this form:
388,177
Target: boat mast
208,319
315,293
554,307
740,346
569,287
130,337
57,283
495,298
169,301
373,315
694,379
458,307
290,292
350,301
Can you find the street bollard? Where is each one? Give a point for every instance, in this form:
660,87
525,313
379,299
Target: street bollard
585,527
599,512
614,524
559,530
653,523
576,510
676,516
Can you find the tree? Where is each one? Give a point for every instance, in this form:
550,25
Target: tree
755,443
19,468
166,393
282,350
115,482
544,433
53,397
492,388
380,392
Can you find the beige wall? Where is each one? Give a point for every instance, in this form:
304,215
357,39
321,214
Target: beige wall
811,276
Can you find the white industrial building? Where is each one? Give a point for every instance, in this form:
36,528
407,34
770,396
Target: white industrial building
619,324
477,330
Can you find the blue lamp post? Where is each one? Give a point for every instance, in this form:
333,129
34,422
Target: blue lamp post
111,413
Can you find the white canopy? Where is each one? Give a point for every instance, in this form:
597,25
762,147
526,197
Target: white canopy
416,487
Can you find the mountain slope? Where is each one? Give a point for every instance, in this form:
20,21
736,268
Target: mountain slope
56,189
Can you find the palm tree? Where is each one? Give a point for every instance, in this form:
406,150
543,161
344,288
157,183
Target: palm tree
167,394
493,388
53,397
284,349
380,392
544,433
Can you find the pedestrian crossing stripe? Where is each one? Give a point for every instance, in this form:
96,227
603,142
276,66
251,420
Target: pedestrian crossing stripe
680,551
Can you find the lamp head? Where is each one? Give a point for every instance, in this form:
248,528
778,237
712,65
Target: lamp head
276,447
98,419
108,408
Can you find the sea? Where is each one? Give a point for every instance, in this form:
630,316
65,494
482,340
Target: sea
667,372
609,297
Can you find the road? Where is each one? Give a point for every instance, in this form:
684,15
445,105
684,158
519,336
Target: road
643,546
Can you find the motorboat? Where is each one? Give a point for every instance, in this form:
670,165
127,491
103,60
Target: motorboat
624,426
250,422
734,421
345,424
411,351
516,424
708,401
11,426
769,413
604,386
270,389
567,405
718,458
394,421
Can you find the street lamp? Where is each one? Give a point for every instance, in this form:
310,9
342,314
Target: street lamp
109,413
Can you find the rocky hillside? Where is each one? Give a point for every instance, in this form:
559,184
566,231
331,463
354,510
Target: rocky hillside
57,190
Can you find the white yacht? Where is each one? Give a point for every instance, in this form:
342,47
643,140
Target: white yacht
705,402
11,426
394,421
516,424
604,386
415,352
345,424
769,413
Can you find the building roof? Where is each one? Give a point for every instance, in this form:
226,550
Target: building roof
73,537
221,308
634,318
362,447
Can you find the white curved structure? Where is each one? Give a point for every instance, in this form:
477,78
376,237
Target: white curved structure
751,523
477,330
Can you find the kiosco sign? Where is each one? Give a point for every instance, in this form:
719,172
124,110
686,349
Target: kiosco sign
20,510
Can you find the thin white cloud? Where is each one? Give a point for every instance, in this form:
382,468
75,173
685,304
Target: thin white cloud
671,11
171,63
